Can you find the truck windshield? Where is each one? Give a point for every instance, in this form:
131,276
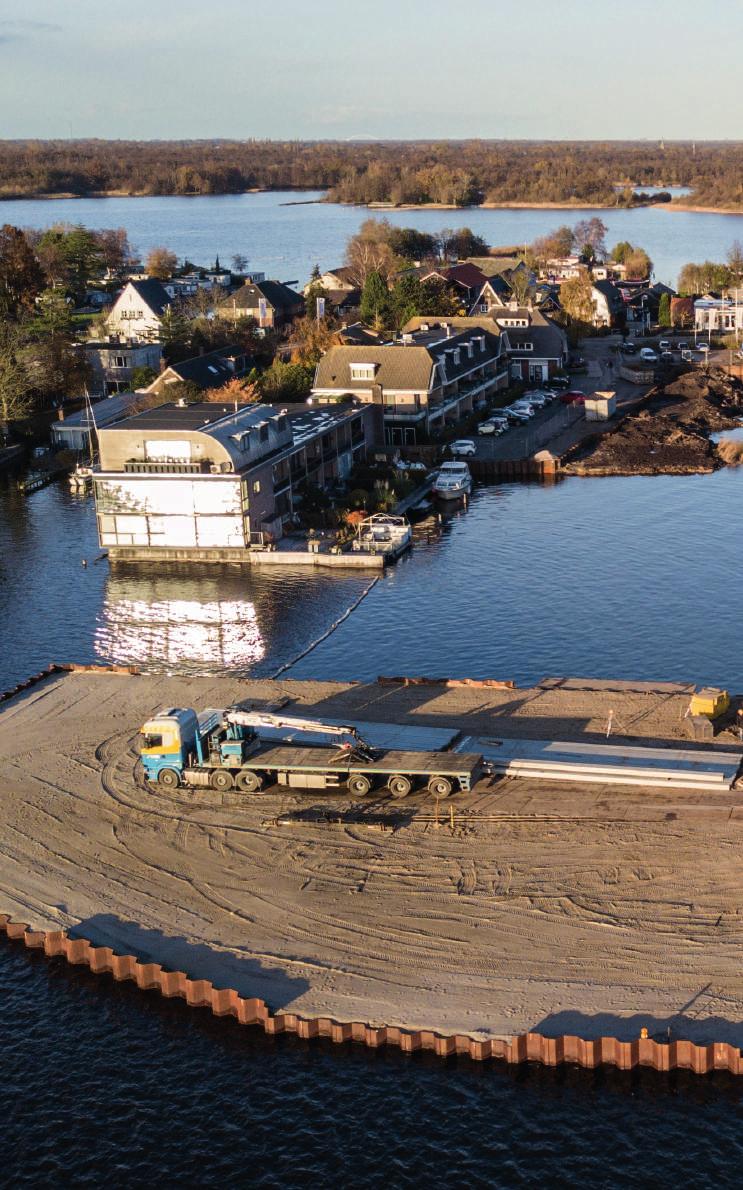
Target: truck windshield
151,741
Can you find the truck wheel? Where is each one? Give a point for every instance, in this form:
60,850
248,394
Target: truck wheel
399,786
248,781
169,778
221,779
359,784
440,787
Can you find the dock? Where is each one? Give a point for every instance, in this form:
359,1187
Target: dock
571,909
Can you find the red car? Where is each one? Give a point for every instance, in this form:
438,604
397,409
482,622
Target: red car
573,397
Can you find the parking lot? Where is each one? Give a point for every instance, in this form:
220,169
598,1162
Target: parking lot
558,426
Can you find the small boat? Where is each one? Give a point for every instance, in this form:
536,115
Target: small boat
453,481
383,533
81,478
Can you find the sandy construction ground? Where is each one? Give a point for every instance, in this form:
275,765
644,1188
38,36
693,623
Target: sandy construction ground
545,906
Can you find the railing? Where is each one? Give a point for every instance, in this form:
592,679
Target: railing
169,467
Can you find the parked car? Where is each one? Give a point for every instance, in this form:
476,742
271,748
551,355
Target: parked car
703,347
665,345
682,345
648,355
560,381
687,356
574,397
666,357
462,447
489,427
524,407
518,415
537,400
629,348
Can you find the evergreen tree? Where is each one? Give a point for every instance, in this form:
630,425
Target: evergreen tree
664,310
376,303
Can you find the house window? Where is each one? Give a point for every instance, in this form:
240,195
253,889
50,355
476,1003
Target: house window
362,371
264,432
256,487
119,361
526,346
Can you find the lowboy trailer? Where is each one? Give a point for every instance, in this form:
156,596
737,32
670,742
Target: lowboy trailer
224,750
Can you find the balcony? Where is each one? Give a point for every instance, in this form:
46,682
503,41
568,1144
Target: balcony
168,467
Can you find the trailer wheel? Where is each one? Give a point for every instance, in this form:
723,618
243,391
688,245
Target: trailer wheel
399,785
221,779
169,778
248,781
440,787
359,784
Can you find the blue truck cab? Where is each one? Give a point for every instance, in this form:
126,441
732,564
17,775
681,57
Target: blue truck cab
173,739
177,739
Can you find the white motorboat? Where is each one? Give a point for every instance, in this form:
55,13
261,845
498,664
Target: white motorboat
453,481
81,478
383,533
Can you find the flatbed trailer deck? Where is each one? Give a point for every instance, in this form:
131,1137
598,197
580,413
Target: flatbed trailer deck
442,773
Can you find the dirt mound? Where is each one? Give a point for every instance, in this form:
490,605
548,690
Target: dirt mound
671,434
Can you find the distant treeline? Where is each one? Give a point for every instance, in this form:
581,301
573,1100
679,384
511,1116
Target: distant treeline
408,172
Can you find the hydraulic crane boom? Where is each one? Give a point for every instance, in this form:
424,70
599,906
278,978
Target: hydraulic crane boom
270,719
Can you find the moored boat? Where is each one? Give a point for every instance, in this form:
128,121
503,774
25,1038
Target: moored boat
383,533
453,480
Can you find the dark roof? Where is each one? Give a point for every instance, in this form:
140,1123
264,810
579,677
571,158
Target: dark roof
465,274
344,273
179,417
277,295
358,334
405,367
343,297
208,371
153,294
614,299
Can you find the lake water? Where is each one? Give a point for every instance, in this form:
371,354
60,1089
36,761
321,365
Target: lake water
285,241
615,577
608,577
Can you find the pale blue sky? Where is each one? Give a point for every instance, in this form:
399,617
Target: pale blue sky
389,68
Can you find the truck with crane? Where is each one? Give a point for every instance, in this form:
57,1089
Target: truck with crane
224,749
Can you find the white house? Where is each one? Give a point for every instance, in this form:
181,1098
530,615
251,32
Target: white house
137,312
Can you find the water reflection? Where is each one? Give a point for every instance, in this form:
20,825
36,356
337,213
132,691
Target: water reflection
215,619
179,634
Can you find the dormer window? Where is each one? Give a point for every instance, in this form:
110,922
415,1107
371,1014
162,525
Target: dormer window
363,371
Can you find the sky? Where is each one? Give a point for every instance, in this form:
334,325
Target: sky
347,69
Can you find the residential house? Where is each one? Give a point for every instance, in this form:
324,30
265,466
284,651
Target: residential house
533,346
536,346
113,361
211,370
204,482
270,303
78,431
137,312
718,315
431,378
608,304
340,280
464,281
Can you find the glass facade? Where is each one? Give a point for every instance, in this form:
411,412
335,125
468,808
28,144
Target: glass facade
180,513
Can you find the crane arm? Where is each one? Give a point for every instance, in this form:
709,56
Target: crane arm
269,719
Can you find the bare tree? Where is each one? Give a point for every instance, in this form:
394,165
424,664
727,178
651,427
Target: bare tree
161,263
369,251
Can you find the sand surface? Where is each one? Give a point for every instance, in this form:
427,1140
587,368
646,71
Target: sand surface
547,907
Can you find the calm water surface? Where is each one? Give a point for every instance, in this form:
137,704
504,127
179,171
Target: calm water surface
285,241
615,577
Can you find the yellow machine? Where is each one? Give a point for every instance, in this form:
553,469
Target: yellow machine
709,702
